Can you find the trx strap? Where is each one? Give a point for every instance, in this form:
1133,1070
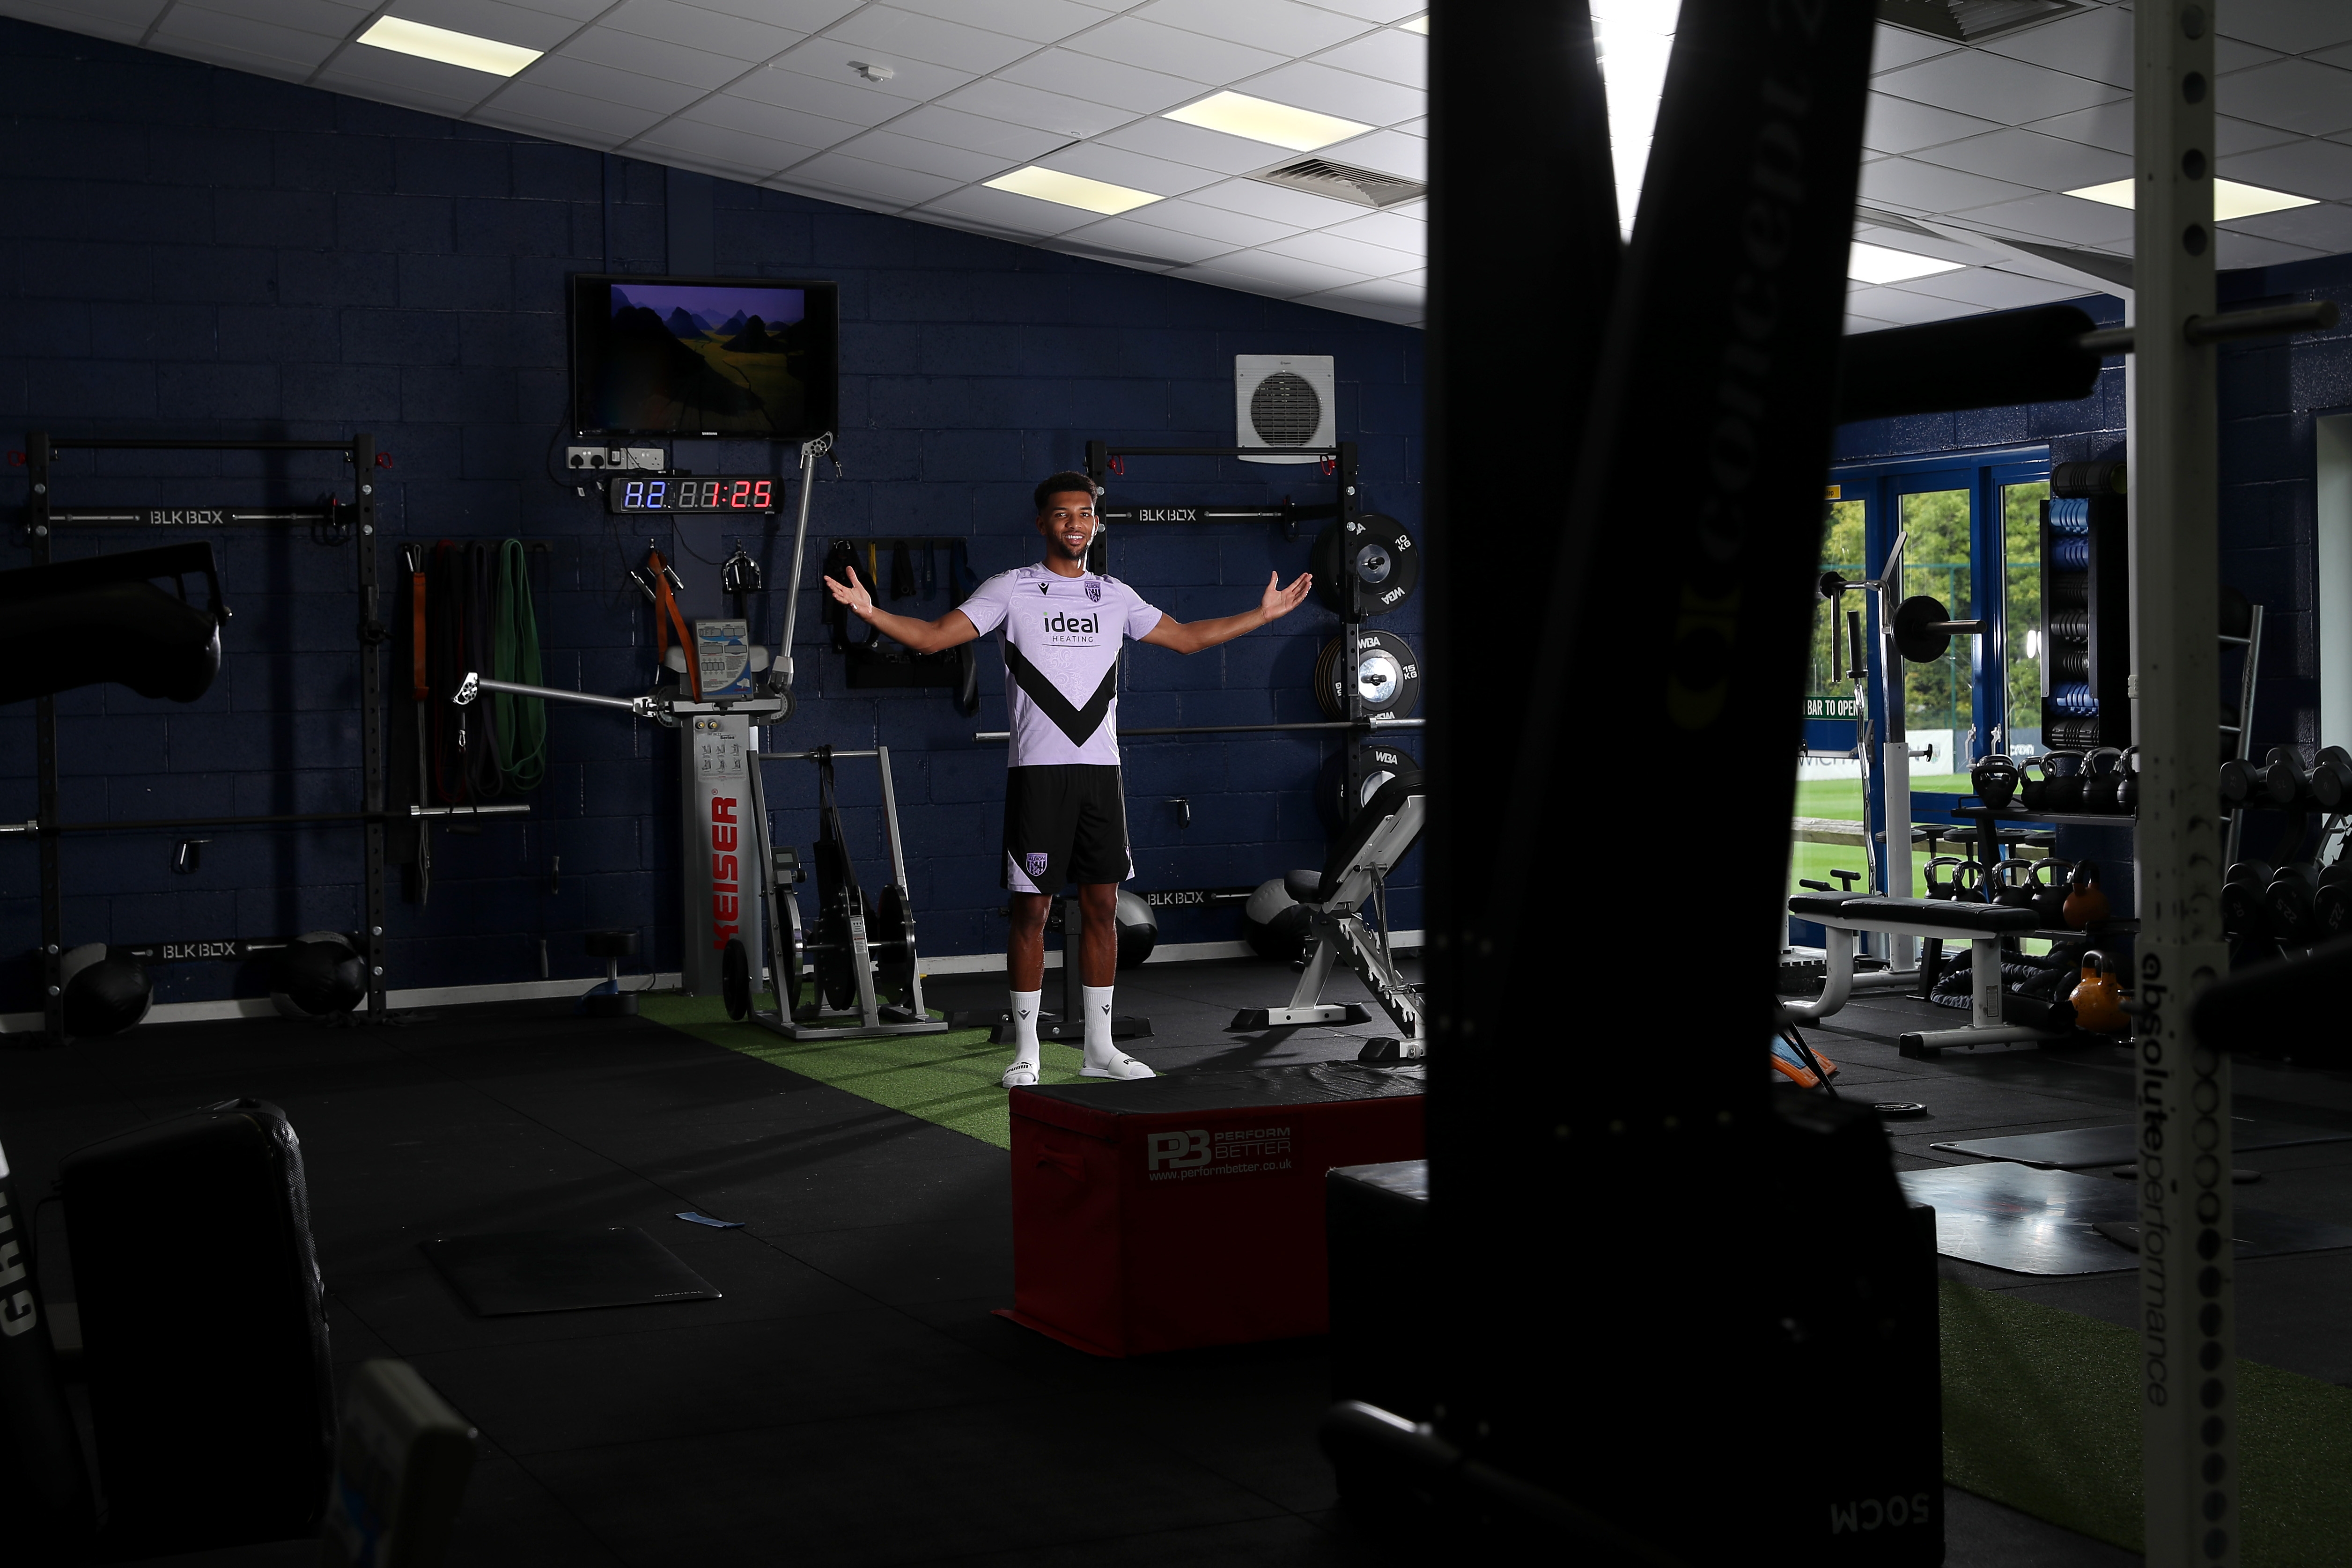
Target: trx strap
666,617
902,571
841,565
521,722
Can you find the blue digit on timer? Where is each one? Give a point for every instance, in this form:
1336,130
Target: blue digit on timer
654,494
633,499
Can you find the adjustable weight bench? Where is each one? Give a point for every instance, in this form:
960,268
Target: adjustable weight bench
1361,862
1982,925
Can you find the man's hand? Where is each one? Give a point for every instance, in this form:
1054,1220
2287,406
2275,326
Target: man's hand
861,603
1280,602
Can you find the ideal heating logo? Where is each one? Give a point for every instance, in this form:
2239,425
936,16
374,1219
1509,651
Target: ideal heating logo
1066,630
1228,1151
1870,1513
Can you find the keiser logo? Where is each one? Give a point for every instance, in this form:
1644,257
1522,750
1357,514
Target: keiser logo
1870,1513
725,886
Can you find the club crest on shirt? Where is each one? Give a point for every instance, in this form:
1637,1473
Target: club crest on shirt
1094,591
1035,862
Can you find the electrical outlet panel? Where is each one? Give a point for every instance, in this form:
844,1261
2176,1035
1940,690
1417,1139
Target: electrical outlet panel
598,459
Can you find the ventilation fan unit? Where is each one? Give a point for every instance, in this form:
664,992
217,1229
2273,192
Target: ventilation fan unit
1282,405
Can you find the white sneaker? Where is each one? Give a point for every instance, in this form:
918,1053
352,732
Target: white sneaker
1118,1067
1021,1075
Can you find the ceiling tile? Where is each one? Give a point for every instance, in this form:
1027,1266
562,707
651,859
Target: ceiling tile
2326,227
2096,44
1192,56
113,15
2293,94
2232,55
1290,30
1929,188
771,121
1857,324
2061,220
1038,21
800,15
531,27
751,157
1390,229
2027,158
1143,239
2322,169
1135,170
336,19
961,164
1182,144
808,95
1344,93
2232,250
1936,246
863,201
2110,126
653,58
1384,11
1382,299
1390,54
1891,48
900,184
1337,250
1016,143
1388,151
828,60
1898,125
1270,273
1068,245
890,31
195,26
1278,203
1905,310
2290,26
1097,80
565,73
2341,57
1002,210
384,70
1210,223
697,27
1068,117
1993,289
566,116
1995,87
1413,127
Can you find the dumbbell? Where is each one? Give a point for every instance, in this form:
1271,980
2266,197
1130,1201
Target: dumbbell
2331,902
1845,880
2242,912
2287,782
2240,782
2287,902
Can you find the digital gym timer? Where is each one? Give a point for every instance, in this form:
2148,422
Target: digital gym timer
691,495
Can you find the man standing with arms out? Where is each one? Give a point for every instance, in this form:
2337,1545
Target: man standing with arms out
1064,812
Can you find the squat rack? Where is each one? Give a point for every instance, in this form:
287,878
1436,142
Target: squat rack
43,518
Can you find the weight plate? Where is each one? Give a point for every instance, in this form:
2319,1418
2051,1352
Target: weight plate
792,991
1388,676
891,937
735,979
836,977
1914,638
1377,552
1382,762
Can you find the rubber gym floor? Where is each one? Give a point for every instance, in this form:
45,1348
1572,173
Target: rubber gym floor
851,1400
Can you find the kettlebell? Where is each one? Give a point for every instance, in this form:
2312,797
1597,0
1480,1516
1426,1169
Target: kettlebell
2098,999
1995,780
2033,790
2243,911
2049,891
2013,884
2086,903
1942,890
2097,791
2063,774
2127,780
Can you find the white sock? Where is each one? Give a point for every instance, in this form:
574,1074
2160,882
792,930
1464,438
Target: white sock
1025,1026
1097,1004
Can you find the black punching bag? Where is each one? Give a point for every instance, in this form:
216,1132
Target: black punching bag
44,1490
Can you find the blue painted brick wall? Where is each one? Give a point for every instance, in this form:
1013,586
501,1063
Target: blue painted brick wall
187,251
2270,394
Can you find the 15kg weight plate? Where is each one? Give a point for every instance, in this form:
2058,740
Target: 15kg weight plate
1377,552
1388,676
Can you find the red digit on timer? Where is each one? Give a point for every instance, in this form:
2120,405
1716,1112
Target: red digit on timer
741,489
760,494
710,494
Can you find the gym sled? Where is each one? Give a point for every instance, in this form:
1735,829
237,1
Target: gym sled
1336,931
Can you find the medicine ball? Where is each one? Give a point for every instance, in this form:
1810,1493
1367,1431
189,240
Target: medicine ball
1275,924
319,974
1139,929
103,995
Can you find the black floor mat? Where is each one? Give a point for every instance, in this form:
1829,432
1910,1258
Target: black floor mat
2026,1221
564,1270
2087,1148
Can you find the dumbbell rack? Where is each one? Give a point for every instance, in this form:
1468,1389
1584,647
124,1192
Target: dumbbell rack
2086,611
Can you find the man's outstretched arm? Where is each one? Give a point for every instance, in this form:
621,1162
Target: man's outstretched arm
1192,636
948,631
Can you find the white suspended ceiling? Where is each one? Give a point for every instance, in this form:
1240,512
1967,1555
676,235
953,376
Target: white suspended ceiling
910,107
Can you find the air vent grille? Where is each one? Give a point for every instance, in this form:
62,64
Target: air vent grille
1285,410
1344,182
1972,21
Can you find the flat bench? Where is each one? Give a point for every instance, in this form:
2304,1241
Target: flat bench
1982,925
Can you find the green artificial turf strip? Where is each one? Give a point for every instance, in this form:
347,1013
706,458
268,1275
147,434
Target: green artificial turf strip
952,1079
2041,1412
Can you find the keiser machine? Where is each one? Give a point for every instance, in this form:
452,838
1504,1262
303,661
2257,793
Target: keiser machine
736,885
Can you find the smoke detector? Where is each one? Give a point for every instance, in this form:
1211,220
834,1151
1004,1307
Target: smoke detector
872,72
1284,401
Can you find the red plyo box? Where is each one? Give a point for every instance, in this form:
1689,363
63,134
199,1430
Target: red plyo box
1187,1210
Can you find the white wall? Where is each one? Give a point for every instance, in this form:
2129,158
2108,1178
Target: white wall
2334,598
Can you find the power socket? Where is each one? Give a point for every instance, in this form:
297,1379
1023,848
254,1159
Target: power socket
641,459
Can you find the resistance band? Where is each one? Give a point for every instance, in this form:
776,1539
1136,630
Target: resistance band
666,616
521,722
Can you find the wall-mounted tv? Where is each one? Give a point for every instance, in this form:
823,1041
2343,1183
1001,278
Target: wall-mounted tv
704,356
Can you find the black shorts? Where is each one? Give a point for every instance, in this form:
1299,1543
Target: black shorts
1063,823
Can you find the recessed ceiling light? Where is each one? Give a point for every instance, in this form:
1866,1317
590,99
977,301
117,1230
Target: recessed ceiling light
450,48
2230,199
1070,190
1238,114
1418,24
1877,263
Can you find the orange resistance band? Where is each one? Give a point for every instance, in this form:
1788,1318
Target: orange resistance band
666,615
